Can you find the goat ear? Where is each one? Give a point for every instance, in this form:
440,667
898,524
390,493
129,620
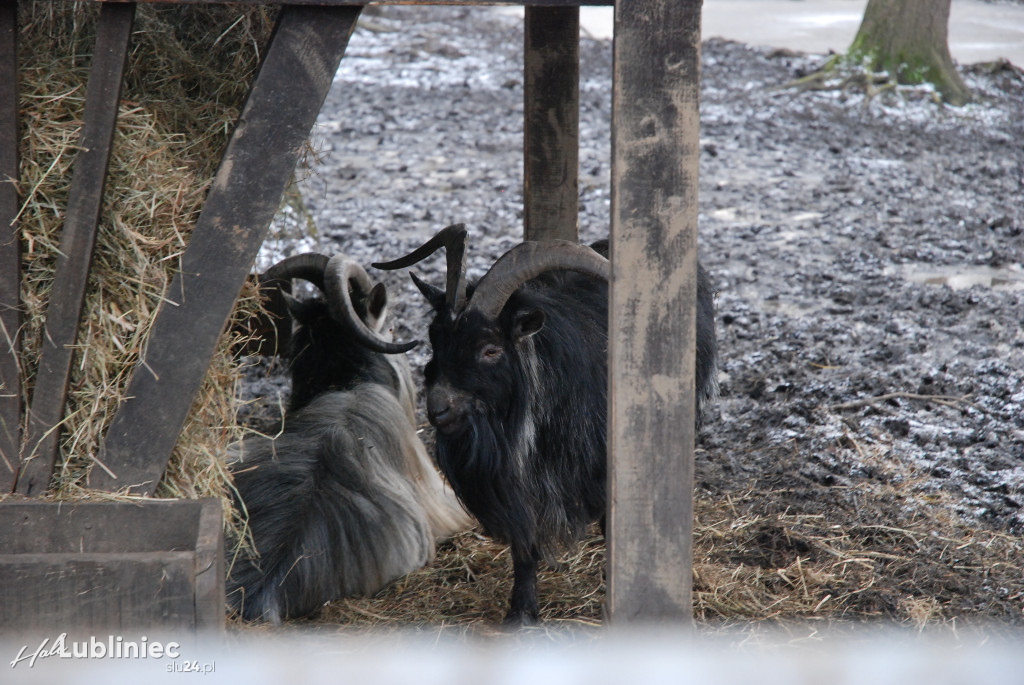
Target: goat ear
376,306
434,295
295,306
527,322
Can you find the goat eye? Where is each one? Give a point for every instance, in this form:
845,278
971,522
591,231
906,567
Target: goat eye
490,353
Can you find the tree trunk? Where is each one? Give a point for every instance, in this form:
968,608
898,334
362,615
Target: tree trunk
909,40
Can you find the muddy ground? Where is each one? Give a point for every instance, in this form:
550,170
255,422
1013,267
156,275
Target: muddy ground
867,250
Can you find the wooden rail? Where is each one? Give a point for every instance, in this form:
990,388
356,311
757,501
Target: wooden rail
10,251
350,3
551,132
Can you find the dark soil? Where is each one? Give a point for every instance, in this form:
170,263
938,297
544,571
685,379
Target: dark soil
868,252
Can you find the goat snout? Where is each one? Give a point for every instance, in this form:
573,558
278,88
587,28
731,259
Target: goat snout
446,410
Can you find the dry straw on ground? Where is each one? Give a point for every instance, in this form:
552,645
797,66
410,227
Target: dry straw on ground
185,84
756,571
765,560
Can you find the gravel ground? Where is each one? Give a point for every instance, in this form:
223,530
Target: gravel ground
867,251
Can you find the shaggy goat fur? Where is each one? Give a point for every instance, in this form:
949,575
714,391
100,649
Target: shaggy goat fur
345,499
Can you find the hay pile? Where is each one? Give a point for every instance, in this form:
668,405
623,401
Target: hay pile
187,77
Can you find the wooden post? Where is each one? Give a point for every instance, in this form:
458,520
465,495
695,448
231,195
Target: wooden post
655,115
67,296
282,106
551,91
10,251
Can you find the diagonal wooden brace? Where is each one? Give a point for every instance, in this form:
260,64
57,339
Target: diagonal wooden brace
286,96
67,295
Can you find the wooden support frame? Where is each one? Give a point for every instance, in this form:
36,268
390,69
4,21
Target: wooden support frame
67,295
10,251
298,68
655,124
551,130
653,245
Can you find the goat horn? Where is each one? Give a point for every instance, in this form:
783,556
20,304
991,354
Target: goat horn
453,240
339,272
529,260
308,266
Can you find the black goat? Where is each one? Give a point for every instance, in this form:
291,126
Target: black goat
517,390
345,498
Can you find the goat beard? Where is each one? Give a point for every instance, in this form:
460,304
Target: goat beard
488,476
492,469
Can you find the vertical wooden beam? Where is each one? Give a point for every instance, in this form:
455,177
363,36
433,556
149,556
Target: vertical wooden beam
655,116
209,568
551,92
10,251
67,295
282,106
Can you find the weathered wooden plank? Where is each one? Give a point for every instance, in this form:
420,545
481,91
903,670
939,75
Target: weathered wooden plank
209,568
551,91
154,564
337,3
655,112
65,592
10,251
67,295
292,83
38,527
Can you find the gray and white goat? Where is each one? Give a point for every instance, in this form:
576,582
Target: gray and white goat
345,498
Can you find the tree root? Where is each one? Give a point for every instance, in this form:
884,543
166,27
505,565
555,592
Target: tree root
833,77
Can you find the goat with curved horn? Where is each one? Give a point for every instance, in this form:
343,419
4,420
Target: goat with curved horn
333,276
344,497
517,393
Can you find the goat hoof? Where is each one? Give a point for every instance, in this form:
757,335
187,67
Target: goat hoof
520,618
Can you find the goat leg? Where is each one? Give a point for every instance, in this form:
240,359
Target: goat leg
523,605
